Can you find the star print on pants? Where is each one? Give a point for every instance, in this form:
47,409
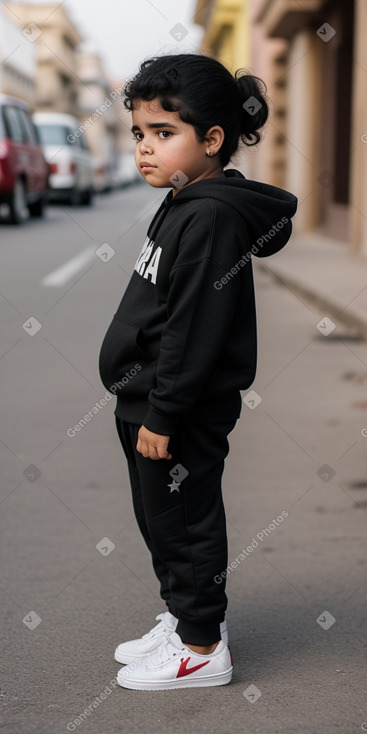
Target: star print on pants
174,486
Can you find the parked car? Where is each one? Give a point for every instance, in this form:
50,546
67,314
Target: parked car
125,171
67,152
24,171
103,175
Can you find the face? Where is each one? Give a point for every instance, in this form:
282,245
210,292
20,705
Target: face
171,147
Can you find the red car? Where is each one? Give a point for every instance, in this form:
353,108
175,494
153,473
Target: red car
24,171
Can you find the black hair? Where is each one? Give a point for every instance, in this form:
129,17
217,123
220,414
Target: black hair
204,93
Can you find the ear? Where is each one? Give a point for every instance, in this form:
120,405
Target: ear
215,136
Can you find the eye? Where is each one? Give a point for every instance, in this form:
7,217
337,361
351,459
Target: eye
166,132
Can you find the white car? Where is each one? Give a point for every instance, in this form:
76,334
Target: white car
125,171
103,181
67,152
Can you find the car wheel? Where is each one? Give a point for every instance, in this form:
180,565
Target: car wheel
75,197
87,197
37,208
19,210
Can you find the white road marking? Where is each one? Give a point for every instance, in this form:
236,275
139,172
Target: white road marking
65,272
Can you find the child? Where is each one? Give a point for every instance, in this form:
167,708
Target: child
182,344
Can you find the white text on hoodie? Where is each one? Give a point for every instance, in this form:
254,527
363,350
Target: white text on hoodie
148,261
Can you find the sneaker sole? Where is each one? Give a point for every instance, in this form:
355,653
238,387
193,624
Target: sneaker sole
221,679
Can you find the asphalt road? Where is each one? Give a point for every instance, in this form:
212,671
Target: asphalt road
297,599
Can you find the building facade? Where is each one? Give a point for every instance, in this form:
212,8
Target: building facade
226,31
18,63
319,128
66,77
52,33
313,59
102,112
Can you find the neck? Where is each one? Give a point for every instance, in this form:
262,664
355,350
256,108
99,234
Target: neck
217,173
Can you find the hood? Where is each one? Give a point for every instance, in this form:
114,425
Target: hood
266,209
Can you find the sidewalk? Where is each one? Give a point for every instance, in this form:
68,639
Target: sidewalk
326,273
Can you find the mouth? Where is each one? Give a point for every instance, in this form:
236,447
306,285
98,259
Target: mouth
146,166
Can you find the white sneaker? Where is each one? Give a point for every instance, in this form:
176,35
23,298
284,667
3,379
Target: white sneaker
174,665
133,650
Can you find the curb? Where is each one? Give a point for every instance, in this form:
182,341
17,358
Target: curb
350,316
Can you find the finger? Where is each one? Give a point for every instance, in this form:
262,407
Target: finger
144,449
163,453
139,446
156,452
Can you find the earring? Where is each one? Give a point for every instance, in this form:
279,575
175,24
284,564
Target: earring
210,153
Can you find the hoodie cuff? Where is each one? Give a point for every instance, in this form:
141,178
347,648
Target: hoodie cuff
158,422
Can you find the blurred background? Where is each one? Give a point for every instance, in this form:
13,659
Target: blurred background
70,57
76,577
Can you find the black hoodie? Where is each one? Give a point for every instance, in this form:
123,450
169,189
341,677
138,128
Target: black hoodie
182,343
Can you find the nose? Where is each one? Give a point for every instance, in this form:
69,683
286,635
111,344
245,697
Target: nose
144,147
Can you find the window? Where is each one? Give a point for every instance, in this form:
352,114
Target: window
2,126
53,134
84,142
13,124
29,131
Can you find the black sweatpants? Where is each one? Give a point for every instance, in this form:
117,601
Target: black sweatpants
179,508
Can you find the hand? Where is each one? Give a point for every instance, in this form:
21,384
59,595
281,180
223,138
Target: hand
152,445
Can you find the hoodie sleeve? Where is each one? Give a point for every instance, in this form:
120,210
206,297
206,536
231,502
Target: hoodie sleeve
199,315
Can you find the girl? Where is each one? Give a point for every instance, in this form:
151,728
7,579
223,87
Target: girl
182,344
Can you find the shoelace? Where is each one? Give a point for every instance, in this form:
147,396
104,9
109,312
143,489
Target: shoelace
165,650
157,628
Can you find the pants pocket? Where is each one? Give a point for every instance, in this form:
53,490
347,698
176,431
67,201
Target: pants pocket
125,441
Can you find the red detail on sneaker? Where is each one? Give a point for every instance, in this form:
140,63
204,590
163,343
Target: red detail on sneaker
183,670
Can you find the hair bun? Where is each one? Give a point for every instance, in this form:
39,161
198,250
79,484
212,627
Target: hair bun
254,107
